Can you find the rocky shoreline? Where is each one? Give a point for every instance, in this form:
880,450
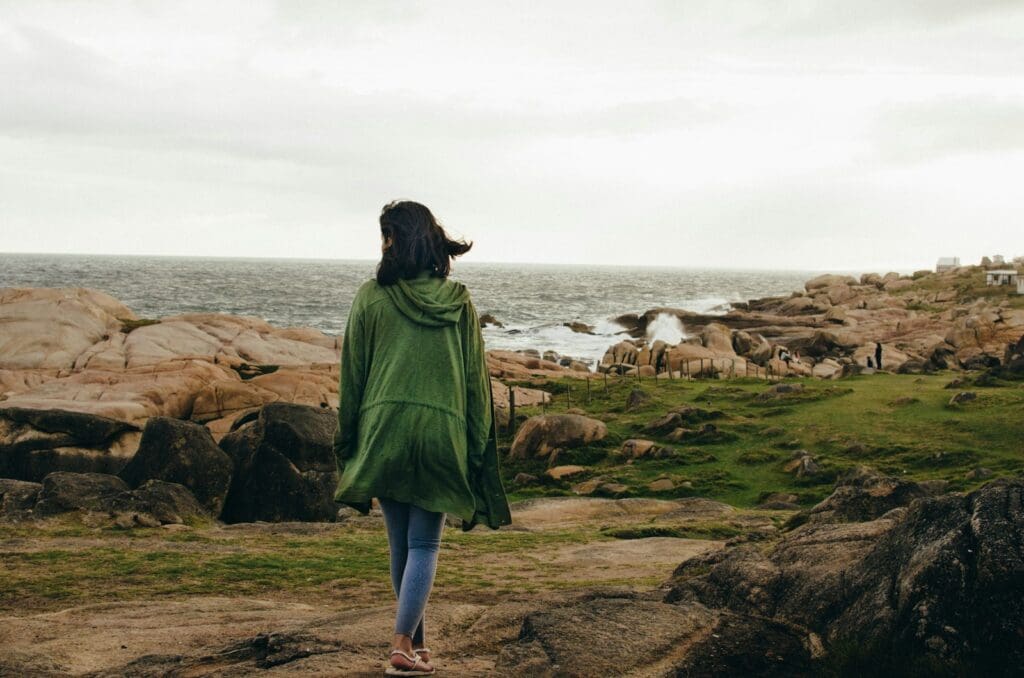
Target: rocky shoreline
924,322
83,379
209,419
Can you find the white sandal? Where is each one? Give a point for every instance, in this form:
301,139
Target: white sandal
413,671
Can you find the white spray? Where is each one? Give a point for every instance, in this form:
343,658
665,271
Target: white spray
666,327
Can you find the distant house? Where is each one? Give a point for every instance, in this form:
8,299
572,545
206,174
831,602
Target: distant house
947,263
1020,284
1002,276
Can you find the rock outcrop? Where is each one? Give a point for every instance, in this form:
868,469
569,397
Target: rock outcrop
862,494
80,350
284,466
886,579
35,442
542,435
152,504
17,498
182,452
938,583
834,323
52,327
515,365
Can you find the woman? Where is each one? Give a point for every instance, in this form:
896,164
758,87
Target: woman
415,418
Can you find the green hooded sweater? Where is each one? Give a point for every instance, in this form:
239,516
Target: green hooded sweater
415,417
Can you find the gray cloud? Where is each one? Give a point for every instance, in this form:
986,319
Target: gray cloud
865,15
927,130
56,88
721,133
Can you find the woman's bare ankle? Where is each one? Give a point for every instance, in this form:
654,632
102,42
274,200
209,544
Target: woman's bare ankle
402,642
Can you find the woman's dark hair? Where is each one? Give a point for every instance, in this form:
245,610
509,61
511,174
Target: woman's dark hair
418,243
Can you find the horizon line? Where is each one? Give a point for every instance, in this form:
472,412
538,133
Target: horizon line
472,263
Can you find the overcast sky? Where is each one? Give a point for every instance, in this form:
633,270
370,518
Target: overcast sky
865,135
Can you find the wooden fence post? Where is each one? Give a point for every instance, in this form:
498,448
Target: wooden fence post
511,412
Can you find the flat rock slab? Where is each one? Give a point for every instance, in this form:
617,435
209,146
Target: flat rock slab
227,637
555,513
631,558
607,637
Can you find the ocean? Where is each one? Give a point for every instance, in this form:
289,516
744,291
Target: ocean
531,300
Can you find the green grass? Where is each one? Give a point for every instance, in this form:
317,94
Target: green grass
75,564
900,424
154,567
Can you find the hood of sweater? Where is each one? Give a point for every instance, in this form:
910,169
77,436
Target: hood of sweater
430,301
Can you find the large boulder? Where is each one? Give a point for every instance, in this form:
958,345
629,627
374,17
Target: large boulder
828,280
863,494
838,293
828,343
50,327
761,352
622,353
1013,360
742,342
316,386
871,279
17,497
975,329
635,448
62,492
284,466
625,634
687,357
541,435
939,584
212,337
153,503
837,315
827,369
517,365
717,338
131,395
156,502
82,328
182,452
898,284
35,442
228,398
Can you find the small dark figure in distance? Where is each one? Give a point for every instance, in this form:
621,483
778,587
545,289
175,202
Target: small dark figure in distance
878,355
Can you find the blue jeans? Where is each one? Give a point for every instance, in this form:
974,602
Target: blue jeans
414,537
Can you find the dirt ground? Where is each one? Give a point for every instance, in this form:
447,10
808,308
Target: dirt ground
341,634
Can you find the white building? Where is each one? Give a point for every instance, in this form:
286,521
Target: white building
1020,284
1002,276
947,263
